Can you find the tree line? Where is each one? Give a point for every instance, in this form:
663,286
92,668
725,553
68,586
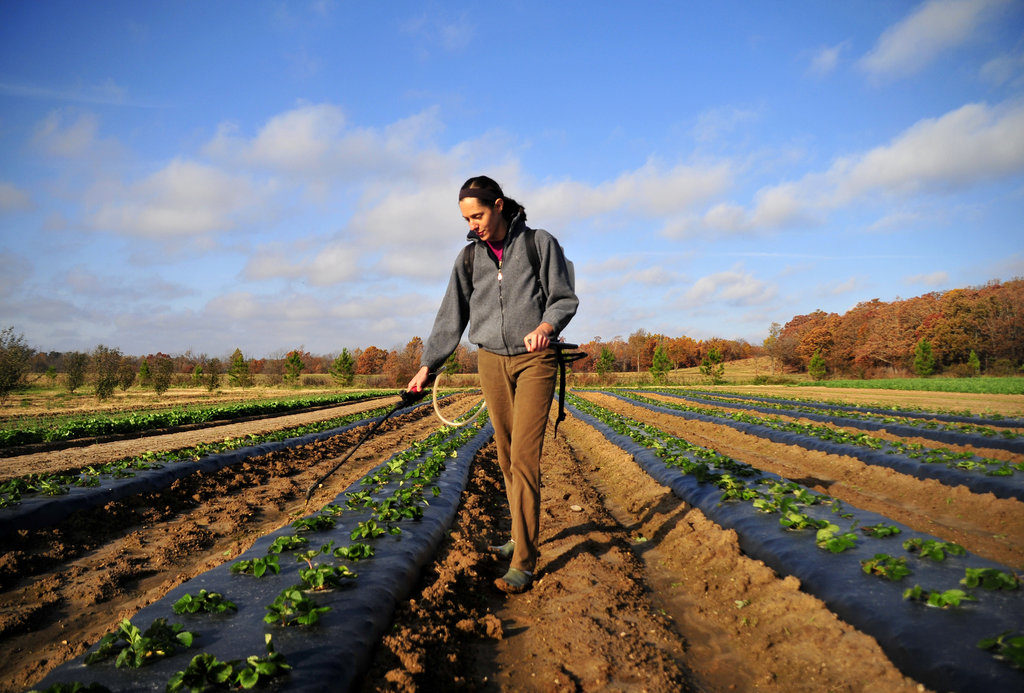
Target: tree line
960,332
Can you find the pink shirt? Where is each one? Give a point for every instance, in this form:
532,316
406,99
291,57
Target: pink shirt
498,249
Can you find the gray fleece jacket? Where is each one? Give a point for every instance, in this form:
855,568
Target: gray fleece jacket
503,304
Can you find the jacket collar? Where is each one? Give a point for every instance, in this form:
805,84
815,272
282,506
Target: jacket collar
513,229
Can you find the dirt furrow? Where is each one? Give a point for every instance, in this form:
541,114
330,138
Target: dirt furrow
78,457
64,588
988,526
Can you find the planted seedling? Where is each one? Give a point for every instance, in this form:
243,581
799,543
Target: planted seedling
322,577
257,566
880,530
274,664
884,565
793,519
936,598
139,648
210,602
827,538
203,673
1006,646
933,549
317,523
287,543
292,607
990,579
354,552
368,529
311,554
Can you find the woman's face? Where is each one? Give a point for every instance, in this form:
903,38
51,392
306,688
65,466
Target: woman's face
486,222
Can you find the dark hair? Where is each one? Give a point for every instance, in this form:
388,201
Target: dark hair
510,208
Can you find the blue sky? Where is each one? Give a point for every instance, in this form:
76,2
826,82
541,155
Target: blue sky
268,175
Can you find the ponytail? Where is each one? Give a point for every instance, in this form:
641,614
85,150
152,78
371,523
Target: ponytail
489,192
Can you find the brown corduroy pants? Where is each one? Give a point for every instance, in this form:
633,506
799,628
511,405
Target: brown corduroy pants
518,391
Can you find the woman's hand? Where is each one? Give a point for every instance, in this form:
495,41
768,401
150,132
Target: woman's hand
419,380
540,338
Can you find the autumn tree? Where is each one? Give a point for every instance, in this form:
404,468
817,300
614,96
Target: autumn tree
163,372
15,355
104,364
213,373
126,373
76,365
371,361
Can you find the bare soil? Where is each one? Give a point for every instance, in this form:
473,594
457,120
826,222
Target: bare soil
635,590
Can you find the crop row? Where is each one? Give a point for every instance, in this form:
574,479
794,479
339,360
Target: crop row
134,422
904,411
888,418
857,562
310,600
980,474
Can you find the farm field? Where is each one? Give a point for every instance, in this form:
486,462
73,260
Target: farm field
636,587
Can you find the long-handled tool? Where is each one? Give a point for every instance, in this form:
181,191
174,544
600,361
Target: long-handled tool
408,398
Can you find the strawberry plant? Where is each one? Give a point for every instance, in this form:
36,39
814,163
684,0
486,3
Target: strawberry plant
936,598
257,566
311,554
322,577
256,667
203,673
933,549
886,566
990,579
287,543
135,648
210,602
292,607
1006,646
354,552
880,530
829,538
206,671
317,523
367,529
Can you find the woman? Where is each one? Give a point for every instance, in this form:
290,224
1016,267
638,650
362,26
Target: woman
516,300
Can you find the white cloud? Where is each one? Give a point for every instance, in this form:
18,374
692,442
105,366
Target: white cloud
185,198
934,279
824,62
13,199
974,143
58,137
934,27
1004,69
716,122
734,287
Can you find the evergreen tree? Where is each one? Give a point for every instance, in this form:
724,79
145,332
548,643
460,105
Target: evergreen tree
343,370
974,363
712,367
816,366
213,371
238,370
660,364
293,367
605,362
924,359
145,375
